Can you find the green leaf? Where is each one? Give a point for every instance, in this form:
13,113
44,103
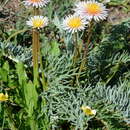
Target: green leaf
29,91
55,51
3,75
4,71
31,97
21,74
6,66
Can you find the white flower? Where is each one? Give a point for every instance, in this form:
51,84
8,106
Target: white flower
37,22
91,10
35,3
74,23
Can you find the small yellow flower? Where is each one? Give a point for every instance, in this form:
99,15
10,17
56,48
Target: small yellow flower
74,23
3,97
88,111
37,22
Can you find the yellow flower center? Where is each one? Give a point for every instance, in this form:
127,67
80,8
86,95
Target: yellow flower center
35,1
75,22
37,23
93,8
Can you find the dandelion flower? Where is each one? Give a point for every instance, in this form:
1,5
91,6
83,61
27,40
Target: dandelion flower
74,23
36,3
88,111
37,22
91,10
3,97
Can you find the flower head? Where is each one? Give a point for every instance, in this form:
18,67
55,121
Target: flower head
36,3
3,97
88,111
37,22
74,23
91,10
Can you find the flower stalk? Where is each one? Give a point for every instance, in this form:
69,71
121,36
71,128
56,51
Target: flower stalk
76,48
85,54
35,50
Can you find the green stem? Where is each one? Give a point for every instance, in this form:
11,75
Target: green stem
36,11
3,120
43,75
76,48
35,50
85,54
33,124
15,34
9,118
